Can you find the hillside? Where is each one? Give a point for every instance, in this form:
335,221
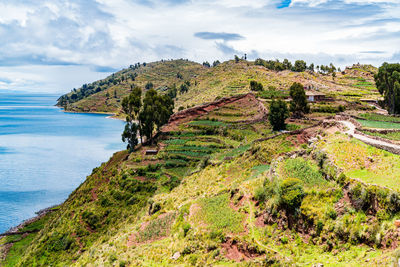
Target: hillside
225,189
207,84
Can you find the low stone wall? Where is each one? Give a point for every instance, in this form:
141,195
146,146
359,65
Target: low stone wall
358,131
206,108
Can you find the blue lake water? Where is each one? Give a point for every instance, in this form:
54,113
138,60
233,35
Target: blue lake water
46,153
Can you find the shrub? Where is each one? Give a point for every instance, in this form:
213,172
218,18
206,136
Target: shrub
303,170
60,242
360,197
91,219
255,86
260,195
291,194
319,227
186,227
342,179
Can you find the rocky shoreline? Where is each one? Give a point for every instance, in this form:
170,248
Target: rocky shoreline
16,229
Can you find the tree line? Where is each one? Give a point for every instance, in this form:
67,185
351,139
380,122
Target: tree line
298,66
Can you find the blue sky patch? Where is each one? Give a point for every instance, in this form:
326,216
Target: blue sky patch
284,3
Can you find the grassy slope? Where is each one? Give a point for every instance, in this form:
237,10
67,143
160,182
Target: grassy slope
140,210
228,78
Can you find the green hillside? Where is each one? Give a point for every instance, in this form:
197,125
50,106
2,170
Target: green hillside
206,84
224,189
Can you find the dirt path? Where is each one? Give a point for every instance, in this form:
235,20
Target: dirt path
366,139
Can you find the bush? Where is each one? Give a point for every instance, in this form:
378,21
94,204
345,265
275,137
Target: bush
342,179
291,194
278,113
186,227
255,86
328,109
360,197
260,195
91,219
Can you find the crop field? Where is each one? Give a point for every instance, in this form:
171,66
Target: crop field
379,117
379,124
364,162
390,135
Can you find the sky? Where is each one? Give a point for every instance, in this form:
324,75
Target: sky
54,45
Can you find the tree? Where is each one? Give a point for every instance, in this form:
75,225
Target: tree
287,64
156,111
206,64
216,63
255,86
149,85
311,67
183,88
131,106
172,92
300,66
298,105
388,83
278,113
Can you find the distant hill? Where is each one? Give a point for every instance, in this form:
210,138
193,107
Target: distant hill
205,84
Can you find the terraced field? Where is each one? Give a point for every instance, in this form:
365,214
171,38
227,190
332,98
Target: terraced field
207,84
379,124
395,135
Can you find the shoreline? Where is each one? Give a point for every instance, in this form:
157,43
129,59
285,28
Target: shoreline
39,214
45,211
110,114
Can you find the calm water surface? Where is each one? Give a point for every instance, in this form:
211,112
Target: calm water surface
46,153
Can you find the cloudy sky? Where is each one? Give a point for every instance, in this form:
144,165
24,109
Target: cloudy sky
54,45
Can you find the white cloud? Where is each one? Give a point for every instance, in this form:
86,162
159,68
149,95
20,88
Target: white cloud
116,33
311,3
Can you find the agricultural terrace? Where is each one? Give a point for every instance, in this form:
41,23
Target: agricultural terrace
364,162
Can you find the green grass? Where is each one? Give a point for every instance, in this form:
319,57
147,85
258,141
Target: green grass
219,216
234,152
390,135
379,117
17,251
21,243
304,170
157,228
175,141
258,170
208,123
379,124
364,162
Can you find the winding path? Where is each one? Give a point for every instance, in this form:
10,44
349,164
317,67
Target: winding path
366,139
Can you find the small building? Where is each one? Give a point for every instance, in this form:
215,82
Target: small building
315,96
151,152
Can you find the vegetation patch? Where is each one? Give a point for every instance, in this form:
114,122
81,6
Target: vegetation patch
304,170
218,215
389,135
156,229
379,124
379,117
